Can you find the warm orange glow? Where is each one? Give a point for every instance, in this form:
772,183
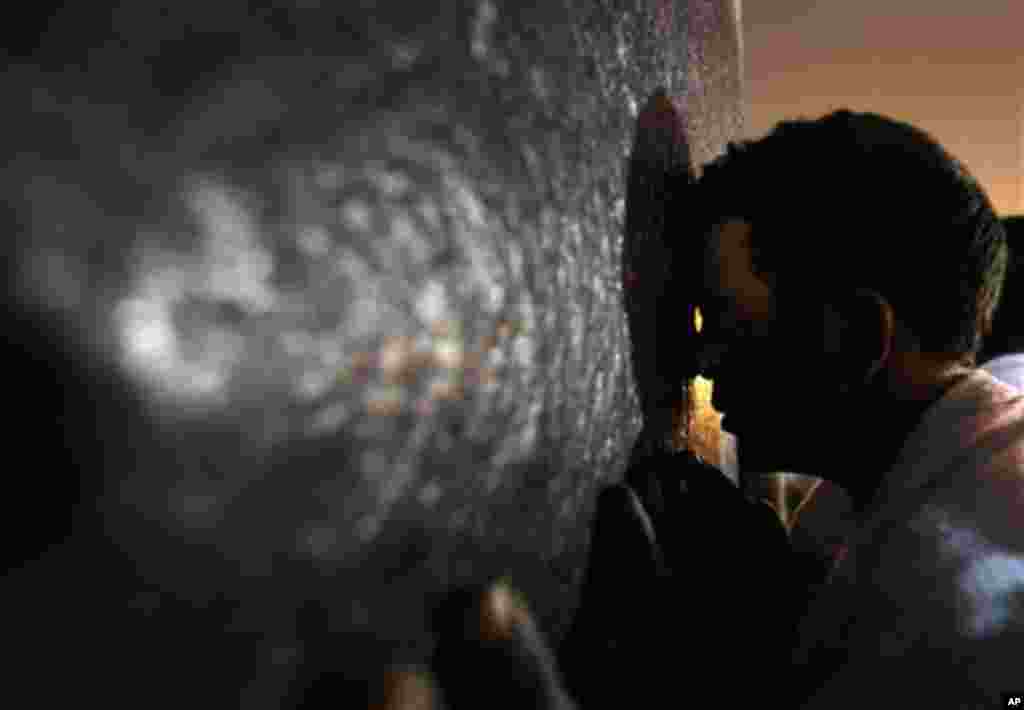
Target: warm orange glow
804,61
703,436
702,390
705,423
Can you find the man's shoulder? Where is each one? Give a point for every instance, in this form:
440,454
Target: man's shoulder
948,551
1008,368
952,573
970,475
940,590
933,583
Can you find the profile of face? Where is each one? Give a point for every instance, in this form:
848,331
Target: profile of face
771,351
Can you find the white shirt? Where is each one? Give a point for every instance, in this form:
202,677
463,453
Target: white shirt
1008,368
926,609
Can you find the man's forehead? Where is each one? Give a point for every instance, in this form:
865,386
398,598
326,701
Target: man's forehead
730,274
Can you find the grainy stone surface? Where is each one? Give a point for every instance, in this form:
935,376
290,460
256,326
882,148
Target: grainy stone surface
331,303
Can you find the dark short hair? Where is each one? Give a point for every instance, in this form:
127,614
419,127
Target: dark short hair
857,200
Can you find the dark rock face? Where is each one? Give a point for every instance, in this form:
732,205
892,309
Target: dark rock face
328,306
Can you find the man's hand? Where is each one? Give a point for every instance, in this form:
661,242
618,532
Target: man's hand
686,585
490,654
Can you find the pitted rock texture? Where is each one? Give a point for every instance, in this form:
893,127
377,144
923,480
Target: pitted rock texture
335,294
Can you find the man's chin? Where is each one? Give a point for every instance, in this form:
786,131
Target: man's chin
758,451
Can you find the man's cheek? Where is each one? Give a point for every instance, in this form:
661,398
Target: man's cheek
731,261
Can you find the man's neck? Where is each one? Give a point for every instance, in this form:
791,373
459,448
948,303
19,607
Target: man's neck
892,423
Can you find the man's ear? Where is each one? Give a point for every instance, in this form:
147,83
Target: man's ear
868,338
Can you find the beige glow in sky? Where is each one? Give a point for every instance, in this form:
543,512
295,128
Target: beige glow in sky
951,68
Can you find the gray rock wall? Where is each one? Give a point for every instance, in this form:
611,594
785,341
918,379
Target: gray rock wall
326,303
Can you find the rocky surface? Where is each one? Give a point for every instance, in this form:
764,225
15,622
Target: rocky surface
327,305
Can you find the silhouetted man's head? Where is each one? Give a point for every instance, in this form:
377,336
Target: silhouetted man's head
852,270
